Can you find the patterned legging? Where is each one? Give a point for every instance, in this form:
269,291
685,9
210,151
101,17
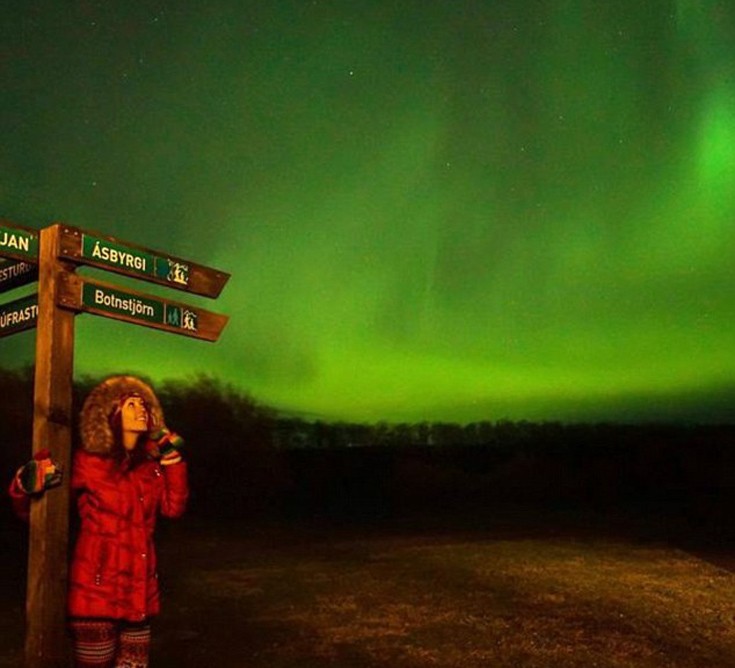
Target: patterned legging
105,643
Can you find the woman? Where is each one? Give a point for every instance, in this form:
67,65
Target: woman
128,469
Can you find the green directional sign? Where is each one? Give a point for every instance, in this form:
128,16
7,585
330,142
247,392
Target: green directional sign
113,302
18,315
14,273
131,260
148,309
122,303
18,242
116,255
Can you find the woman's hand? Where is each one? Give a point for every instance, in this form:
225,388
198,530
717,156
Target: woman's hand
166,447
39,474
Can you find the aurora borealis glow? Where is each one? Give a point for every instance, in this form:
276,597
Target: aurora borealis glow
462,210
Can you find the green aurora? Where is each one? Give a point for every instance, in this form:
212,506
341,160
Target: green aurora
431,211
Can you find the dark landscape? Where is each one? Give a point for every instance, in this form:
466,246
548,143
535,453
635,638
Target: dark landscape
511,587
313,544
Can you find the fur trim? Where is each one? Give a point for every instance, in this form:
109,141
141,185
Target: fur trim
100,404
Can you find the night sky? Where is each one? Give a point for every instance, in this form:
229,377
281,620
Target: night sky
430,210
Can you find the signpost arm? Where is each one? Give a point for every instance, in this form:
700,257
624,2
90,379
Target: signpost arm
46,643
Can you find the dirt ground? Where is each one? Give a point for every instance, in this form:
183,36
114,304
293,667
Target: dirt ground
515,589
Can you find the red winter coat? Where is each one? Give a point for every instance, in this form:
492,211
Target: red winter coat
113,569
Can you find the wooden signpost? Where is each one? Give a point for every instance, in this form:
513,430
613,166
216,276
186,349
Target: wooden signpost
53,256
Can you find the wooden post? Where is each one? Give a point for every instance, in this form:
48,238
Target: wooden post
46,643
61,294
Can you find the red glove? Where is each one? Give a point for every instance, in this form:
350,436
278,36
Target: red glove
39,474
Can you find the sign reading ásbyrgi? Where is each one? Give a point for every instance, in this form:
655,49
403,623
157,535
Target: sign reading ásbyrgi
97,250
19,315
134,261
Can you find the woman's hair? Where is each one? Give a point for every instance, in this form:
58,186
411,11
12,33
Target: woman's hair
100,427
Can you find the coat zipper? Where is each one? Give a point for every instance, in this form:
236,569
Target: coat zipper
100,561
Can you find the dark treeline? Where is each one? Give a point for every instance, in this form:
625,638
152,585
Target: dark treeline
246,461
229,437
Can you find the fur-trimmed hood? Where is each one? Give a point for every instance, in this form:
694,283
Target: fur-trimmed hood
100,404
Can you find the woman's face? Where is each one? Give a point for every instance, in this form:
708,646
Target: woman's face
134,416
